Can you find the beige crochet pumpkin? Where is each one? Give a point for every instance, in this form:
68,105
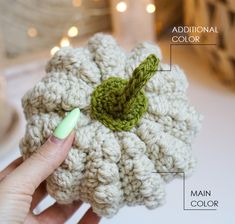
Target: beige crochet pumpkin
107,168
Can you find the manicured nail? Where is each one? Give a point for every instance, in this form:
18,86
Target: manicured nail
66,126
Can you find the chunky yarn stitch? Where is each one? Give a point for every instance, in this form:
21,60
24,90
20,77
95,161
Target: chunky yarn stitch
119,104
111,163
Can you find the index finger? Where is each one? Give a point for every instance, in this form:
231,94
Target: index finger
90,217
12,166
39,166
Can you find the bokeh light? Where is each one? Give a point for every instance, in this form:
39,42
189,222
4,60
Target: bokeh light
150,8
121,7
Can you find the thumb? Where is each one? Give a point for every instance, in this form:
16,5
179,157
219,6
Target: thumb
27,177
34,170
16,189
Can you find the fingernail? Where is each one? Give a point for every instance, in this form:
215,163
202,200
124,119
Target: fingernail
66,126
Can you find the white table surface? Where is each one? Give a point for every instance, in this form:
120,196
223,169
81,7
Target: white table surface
214,147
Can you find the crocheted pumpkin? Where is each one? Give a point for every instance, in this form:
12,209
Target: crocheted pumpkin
136,124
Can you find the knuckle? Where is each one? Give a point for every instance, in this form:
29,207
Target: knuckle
46,159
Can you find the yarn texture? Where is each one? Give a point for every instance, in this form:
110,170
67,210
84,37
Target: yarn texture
136,124
119,104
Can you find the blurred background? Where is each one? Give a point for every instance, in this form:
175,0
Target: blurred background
31,31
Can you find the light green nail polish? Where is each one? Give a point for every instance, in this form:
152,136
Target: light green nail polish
67,124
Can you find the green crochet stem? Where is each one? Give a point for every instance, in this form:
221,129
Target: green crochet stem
119,104
140,77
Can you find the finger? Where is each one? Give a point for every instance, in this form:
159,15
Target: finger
27,177
58,213
38,195
10,168
90,217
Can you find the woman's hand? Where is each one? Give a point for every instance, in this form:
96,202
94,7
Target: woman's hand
22,185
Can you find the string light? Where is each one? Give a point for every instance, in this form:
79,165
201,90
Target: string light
77,3
54,50
121,7
64,42
150,8
73,31
32,32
